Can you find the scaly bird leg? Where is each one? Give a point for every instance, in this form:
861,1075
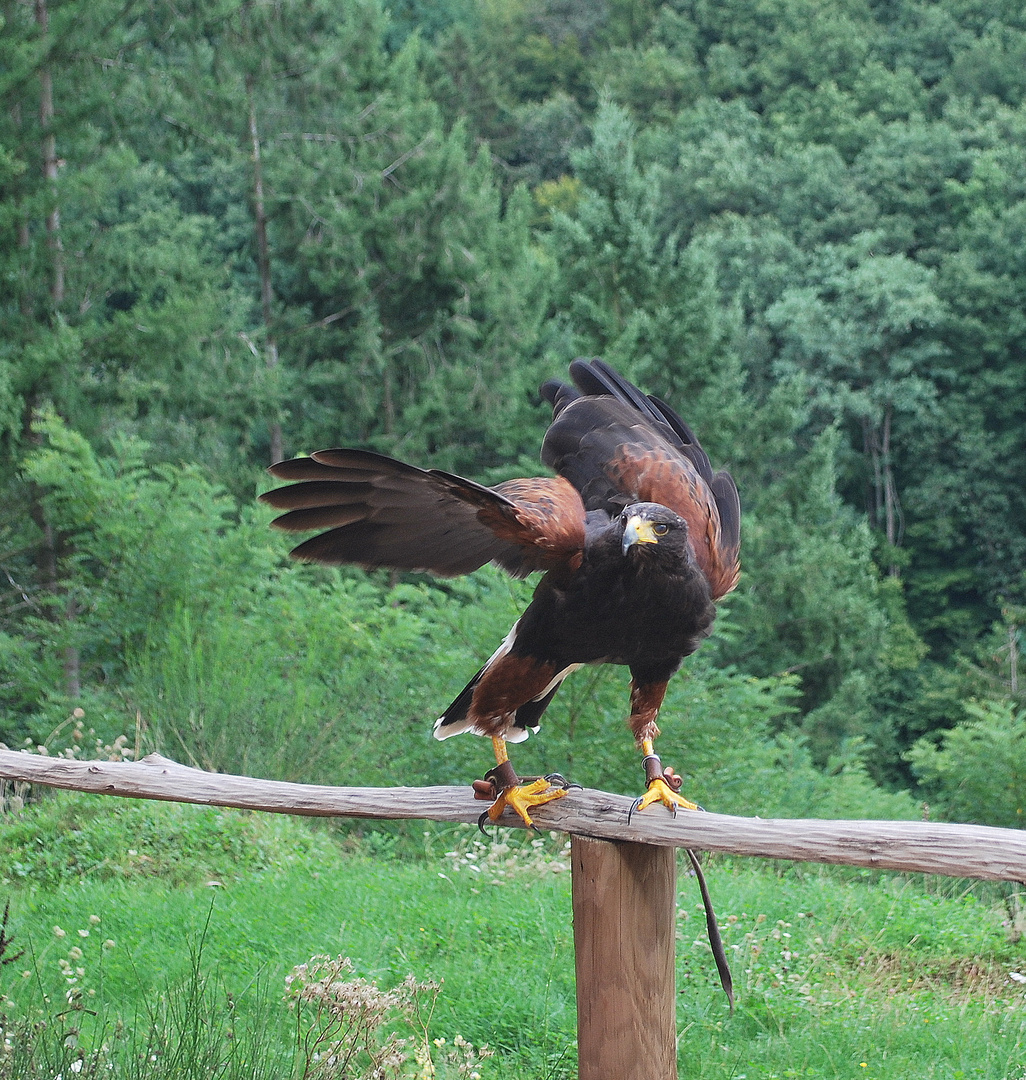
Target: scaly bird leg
520,797
663,783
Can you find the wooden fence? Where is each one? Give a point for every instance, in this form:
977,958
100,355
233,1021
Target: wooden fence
624,875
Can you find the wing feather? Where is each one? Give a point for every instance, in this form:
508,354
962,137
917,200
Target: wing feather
380,512
610,444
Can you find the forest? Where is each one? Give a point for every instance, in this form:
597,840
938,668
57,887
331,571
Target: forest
239,230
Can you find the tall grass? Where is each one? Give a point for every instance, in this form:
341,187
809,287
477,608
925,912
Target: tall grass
333,681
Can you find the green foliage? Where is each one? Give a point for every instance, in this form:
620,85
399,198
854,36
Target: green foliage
976,771
64,839
297,692
813,560
137,541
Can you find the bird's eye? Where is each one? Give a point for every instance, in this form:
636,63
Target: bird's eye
660,529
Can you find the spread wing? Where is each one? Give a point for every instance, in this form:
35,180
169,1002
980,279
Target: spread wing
618,446
381,512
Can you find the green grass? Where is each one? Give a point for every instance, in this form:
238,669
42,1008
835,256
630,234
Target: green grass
838,973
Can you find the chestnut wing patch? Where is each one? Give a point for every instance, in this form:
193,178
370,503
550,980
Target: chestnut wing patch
618,446
549,520
710,506
543,517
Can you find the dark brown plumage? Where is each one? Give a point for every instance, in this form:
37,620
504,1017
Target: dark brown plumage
636,534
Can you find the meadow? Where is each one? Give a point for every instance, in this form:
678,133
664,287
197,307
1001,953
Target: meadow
152,940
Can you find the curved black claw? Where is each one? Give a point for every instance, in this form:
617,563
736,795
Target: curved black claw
638,801
559,778
480,823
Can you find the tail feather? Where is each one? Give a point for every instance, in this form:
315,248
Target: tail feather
458,717
455,719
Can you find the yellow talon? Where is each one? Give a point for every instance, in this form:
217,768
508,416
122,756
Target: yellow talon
660,791
524,796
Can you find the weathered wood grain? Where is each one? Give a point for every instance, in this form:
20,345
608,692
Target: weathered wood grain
974,851
625,903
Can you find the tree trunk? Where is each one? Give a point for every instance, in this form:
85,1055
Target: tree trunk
48,561
263,260
885,508
894,520
25,305
871,448
1013,658
50,164
47,554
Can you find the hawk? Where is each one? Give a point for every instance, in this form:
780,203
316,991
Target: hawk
636,537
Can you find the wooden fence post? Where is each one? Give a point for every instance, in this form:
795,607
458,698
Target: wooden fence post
624,904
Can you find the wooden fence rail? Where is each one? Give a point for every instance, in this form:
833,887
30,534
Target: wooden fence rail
624,874
971,851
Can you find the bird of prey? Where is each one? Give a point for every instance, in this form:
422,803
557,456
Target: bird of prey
636,537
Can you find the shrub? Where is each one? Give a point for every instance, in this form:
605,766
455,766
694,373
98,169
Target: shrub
976,772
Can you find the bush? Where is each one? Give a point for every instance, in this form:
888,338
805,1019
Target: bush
66,837
137,542
977,770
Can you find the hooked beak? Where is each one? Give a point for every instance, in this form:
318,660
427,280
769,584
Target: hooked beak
638,531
